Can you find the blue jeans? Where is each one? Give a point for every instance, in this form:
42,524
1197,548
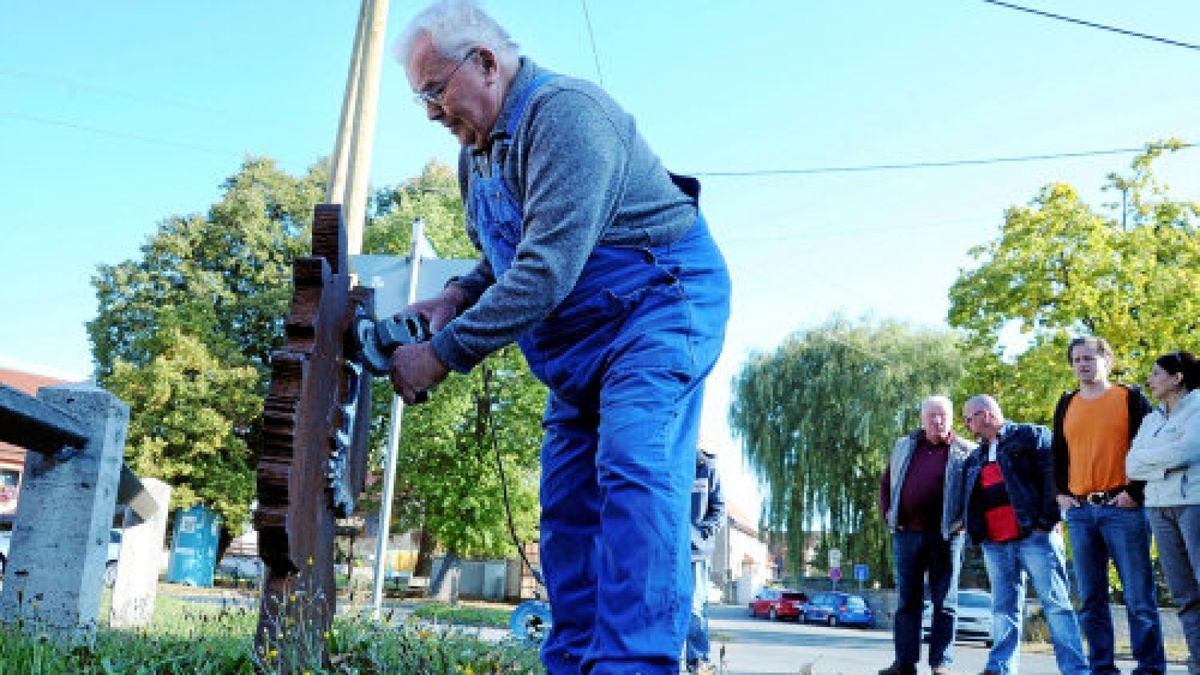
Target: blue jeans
1100,534
1042,557
1177,532
697,635
918,554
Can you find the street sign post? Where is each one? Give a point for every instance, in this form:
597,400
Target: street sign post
835,566
861,573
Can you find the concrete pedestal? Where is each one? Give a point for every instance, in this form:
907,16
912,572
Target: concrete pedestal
60,538
137,568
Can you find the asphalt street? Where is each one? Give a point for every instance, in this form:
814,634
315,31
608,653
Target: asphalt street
761,646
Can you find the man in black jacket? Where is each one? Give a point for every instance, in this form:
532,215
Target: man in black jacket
1012,513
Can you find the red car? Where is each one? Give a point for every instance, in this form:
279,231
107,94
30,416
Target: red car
778,603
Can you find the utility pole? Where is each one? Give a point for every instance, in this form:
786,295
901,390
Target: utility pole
349,176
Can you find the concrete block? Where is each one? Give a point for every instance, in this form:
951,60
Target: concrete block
137,568
64,514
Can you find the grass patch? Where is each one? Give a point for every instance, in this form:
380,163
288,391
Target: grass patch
188,637
465,615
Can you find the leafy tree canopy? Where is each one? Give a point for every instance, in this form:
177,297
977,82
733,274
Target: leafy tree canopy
818,417
1060,268
447,480
184,334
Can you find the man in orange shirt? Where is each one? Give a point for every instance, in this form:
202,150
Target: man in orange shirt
1093,427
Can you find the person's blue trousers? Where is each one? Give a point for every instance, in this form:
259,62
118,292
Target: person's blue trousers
625,357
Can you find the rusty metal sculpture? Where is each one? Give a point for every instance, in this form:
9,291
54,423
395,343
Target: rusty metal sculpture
315,422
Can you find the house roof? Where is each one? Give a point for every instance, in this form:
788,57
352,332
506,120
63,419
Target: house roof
739,519
28,383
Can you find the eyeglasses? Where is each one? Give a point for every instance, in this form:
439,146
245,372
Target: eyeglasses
434,94
968,418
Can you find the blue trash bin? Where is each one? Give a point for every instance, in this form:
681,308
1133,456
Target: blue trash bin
194,547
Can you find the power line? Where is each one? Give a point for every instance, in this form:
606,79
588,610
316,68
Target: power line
68,83
936,164
846,232
1090,24
118,134
592,37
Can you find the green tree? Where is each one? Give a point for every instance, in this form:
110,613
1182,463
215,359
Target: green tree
189,411
1060,268
184,334
448,483
818,417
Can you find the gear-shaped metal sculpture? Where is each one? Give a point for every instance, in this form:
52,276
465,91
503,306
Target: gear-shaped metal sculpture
313,465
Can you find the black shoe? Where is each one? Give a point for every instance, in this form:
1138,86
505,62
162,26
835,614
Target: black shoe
898,669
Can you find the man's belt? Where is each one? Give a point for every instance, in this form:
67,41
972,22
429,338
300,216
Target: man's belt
1100,498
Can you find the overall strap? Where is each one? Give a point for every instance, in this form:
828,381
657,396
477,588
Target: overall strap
519,109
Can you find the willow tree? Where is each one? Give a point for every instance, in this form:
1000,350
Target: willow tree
819,415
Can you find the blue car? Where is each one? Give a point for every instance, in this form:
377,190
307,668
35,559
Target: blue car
838,609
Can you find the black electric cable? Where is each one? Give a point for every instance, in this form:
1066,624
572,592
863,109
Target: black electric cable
491,422
1090,24
592,36
935,164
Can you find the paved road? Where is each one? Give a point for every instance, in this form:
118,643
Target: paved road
761,646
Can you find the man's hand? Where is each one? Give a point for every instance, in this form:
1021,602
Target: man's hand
1123,500
1066,502
441,309
415,369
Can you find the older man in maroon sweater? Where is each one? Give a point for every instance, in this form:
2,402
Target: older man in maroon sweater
921,498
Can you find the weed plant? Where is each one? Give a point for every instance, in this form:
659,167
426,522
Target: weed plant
215,639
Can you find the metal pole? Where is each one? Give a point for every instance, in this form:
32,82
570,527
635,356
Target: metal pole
389,475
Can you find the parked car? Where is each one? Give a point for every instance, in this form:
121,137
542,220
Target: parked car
110,564
778,603
838,609
974,617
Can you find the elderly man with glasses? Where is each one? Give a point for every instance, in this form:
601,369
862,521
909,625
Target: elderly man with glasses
597,262
921,498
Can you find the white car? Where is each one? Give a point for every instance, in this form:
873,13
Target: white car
110,566
974,617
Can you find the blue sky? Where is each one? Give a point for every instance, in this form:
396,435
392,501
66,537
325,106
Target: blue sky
114,116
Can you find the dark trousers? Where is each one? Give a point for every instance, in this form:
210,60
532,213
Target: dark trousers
918,555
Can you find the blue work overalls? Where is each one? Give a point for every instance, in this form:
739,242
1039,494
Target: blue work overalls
625,356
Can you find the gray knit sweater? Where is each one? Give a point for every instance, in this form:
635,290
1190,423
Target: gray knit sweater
583,177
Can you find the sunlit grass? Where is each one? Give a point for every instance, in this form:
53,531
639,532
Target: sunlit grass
190,637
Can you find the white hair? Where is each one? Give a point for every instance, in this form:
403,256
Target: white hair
937,399
985,402
455,27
